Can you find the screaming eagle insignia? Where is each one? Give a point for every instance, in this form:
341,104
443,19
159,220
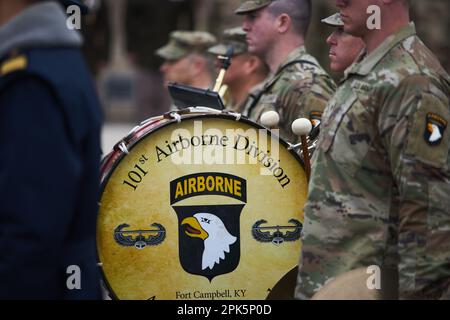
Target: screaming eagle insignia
140,242
435,127
212,231
209,235
315,118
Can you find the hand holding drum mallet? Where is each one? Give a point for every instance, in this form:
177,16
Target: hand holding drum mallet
302,127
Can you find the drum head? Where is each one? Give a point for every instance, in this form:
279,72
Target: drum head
208,208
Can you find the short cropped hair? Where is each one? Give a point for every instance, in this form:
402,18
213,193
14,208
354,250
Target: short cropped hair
300,12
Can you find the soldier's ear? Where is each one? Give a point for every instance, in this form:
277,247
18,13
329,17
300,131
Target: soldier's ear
252,64
284,23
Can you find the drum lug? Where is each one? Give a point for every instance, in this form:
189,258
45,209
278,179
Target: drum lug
123,147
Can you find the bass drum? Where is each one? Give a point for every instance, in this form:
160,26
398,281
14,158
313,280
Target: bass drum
204,206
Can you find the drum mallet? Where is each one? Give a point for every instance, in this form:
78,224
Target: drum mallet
225,62
270,119
302,127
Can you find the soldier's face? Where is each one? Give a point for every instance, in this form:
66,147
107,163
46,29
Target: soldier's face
260,27
179,71
344,49
355,16
237,69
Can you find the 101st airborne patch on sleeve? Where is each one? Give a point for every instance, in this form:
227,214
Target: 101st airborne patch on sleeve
316,118
429,138
434,129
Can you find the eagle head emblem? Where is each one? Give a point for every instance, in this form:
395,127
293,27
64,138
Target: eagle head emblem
435,133
217,239
435,128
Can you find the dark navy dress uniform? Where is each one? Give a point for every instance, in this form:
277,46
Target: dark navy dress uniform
50,122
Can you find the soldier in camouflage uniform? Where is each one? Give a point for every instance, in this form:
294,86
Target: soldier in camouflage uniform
344,48
298,87
379,190
186,59
246,72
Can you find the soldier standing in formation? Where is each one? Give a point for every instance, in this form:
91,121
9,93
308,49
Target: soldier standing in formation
298,87
50,122
186,59
247,71
344,48
378,194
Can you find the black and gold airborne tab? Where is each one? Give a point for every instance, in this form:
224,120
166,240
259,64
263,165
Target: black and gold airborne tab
208,183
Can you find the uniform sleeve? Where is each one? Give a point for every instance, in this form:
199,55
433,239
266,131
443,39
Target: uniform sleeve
304,99
312,101
39,172
414,128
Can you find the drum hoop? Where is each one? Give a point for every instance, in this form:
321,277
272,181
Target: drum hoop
160,126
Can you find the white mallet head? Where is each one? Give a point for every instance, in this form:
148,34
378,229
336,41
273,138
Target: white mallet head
301,127
270,119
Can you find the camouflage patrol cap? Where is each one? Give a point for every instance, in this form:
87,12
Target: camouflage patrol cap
252,5
235,37
334,20
182,43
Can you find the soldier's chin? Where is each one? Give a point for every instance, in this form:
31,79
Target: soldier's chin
336,67
354,30
332,61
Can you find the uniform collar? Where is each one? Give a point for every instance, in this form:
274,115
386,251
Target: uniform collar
366,63
296,54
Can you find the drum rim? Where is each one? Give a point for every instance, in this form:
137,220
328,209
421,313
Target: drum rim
163,124
154,129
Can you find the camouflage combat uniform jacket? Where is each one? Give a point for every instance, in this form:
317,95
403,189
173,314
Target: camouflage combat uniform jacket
380,188
240,107
300,88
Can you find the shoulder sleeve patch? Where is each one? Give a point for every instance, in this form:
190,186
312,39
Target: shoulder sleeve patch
316,118
13,64
429,139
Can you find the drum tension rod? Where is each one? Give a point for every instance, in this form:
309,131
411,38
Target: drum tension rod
298,145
